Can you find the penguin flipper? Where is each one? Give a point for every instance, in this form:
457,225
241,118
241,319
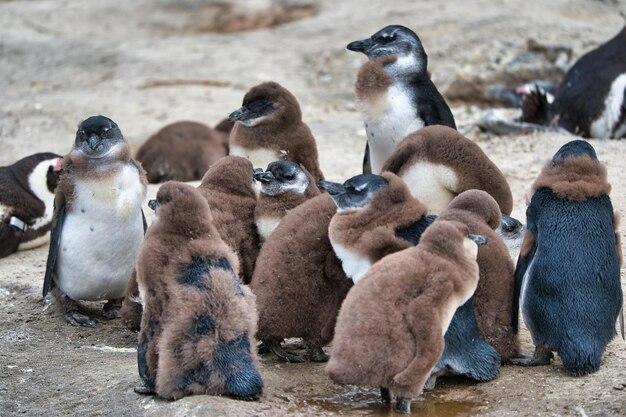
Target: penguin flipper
53,251
529,247
145,223
621,321
367,165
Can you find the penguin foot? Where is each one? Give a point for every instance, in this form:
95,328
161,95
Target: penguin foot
542,356
263,348
77,319
430,384
112,309
143,389
385,396
282,354
316,354
403,405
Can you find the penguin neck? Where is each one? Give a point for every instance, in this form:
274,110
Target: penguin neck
276,206
119,154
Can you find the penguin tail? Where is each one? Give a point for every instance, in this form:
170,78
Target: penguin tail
485,362
536,109
581,358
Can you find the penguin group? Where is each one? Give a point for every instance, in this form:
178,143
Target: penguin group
395,277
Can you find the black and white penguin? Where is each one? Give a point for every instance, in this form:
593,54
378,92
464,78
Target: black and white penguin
98,222
394,92
568,271
26,201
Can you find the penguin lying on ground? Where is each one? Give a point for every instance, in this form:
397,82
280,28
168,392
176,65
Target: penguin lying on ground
298,281
377,216
568,271
390,327
269,128
181,151
198,321
438,163
228,186
394,92
98,223
284,186
26,201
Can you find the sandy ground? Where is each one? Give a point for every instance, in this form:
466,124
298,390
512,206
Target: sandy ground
62,61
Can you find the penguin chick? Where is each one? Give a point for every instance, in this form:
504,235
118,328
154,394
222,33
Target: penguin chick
198,321
298,281
568,271
228,186
181,151
270,128
394,92
493,298
376,216
98,223
284,186
390,327
26,201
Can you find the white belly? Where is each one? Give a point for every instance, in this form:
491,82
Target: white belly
266,225
388,120
432,184
260,158
605,126
523,297
354,265
101,237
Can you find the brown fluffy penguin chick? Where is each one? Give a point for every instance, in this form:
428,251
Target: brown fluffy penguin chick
390,328
180,151
298,281
198,321
284,186
270,128
228,186
438,163
493,299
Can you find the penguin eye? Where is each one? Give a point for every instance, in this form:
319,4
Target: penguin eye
288,177
386,38
81,131
106,129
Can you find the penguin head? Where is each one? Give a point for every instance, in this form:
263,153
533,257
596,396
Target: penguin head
97,136
451,238
394,40
267,102
181,207
356,193
480,203
282,177
574,149
231,175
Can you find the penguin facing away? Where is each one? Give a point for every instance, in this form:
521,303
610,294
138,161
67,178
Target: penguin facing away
568,271
284,186
298,281
26,201
98,223
390,327
394,92
198,321
229,189
181,151
269,127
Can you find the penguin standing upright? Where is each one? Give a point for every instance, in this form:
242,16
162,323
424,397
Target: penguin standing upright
98,222
269,128
568,271
394,92
26,201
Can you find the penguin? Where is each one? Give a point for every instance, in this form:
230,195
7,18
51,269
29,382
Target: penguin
298,281
284,186
269,127
26,201
376,216
98,223
395,94
181,151
438,163
198,321
568,270
390,329
228,186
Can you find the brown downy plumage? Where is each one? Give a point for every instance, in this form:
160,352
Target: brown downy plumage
390,327
270,128
438,163
493,299
298,281
198,323
181,151
228,186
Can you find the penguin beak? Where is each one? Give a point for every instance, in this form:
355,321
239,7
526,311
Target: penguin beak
263,176
478,239
93,141
333,188
242,113
510,224
361,46
153,204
